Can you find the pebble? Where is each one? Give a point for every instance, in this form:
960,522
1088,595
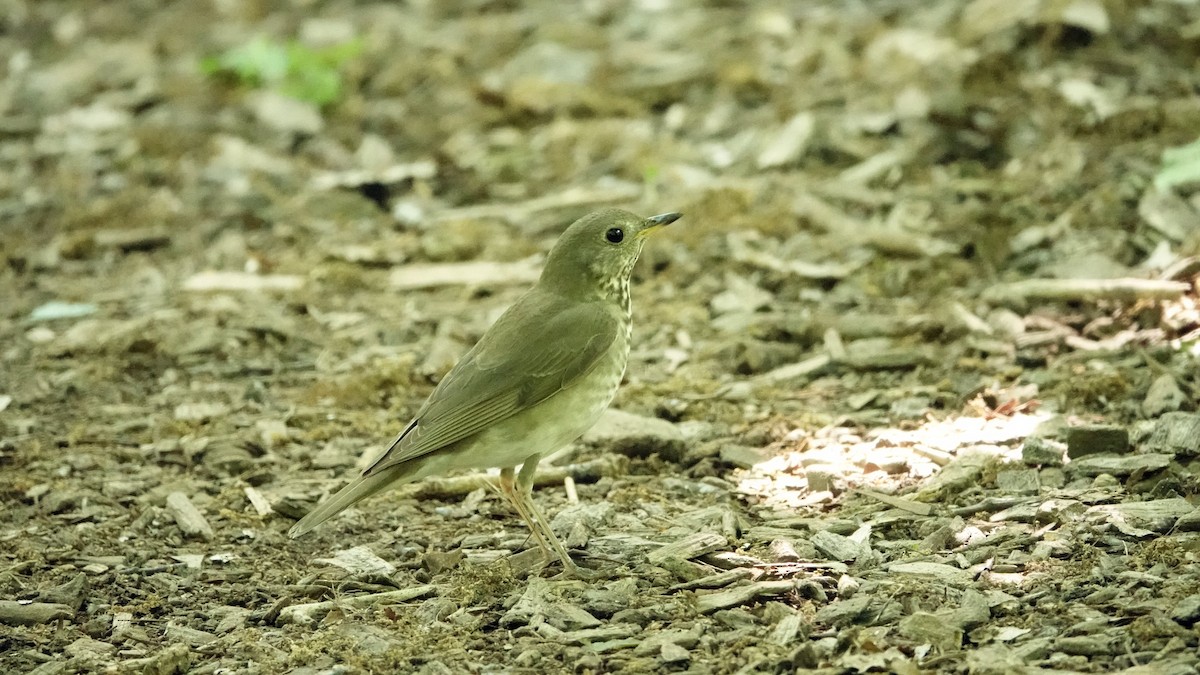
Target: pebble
927,628
1163,396
1037,451
1094,439
637,436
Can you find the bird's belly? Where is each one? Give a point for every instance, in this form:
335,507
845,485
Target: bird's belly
548,426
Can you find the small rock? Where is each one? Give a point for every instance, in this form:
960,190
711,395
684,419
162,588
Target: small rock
788,143
926,628
787,629
187,635
1085,645
718,580
602,634
847,586
741,456
673,653
559,72
189,518
728,560
1052,477
1093,439
740,295
687,548
1018,481
1119,465
837,547
636,436
741,595
85,647
538,604
973,610
13,613
436,562
738,619
1037,451
1163,396
71,594
821,478
1176,433
938,540
1187,611
845,612
176,658
945,574
962,473
653,641
138,239
1143,519
590,516
783,550
56,309
199,412
1189,522
286,114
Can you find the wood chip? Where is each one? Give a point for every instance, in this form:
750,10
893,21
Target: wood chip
14,613
792,371
191,636
359,560
1119,465
547,476
901,503
309,612
786,630
213,280
519,212
947,574
260,503
718,580
482,273
188,517
689,547
741,595
1069,290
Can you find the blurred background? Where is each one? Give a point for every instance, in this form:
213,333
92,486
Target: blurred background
241,241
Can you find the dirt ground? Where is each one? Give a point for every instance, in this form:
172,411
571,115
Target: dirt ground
913,386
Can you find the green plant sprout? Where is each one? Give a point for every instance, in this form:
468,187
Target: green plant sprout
1179,166
291,68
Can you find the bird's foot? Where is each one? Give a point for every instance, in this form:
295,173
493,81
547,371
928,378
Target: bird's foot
573,571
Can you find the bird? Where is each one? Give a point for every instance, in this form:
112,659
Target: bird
540,377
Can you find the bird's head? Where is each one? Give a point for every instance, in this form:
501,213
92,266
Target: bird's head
597,252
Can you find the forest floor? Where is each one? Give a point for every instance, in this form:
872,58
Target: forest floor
913,386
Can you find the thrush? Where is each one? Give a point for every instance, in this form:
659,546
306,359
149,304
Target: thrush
537,379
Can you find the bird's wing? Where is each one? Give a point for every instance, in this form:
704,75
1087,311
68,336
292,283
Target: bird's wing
540,346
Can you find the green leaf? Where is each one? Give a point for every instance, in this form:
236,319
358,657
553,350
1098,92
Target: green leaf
293,69
1179,166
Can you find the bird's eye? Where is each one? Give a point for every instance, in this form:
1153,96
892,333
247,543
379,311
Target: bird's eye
615,235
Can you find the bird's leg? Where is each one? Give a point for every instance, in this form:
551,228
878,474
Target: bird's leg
525,492
509,490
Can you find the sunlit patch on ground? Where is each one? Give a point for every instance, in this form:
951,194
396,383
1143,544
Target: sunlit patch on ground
888,459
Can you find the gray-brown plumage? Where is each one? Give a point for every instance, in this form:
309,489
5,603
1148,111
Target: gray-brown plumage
536,380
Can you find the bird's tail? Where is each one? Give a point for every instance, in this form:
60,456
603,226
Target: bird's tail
358,490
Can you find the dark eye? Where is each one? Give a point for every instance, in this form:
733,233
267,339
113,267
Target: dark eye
615,235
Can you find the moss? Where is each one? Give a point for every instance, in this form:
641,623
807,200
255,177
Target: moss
342,276
1161,551
369,387
1091,389
990,469
472,585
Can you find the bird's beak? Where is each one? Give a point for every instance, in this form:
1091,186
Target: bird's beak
660,220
